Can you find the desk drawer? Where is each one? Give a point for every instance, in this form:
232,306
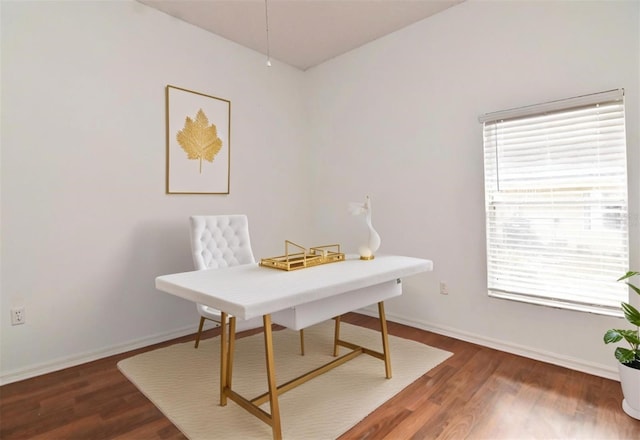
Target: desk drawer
315,312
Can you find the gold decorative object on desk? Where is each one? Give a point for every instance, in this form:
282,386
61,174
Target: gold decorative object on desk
301,257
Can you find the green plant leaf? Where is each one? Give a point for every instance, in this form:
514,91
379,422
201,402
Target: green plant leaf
631,313
612,335
631,336
628,275
625,355
635,288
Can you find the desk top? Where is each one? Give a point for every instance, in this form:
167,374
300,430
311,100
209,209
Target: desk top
249,290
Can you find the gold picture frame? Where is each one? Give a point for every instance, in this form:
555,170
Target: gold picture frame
198,142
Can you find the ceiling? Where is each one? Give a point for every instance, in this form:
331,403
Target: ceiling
302,33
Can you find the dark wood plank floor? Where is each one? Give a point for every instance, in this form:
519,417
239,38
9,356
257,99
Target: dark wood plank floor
478,393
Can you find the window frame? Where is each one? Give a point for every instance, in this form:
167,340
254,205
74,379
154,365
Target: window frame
609,303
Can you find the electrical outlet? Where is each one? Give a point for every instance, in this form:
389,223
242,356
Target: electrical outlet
17,316
444,289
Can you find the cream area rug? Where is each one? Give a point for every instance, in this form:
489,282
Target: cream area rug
183,382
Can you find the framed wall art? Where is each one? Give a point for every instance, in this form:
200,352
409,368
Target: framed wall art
198,142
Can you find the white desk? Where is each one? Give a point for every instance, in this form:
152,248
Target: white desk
295,299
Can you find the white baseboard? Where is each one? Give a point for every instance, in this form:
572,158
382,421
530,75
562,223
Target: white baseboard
531,353
520,350
72,361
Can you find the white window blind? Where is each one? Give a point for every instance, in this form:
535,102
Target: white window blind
556,203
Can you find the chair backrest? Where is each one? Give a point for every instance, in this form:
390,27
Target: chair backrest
220,241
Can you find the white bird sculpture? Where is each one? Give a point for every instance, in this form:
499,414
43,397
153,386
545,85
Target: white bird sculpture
367,251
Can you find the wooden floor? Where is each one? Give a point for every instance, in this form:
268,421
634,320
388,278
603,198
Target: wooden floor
478,393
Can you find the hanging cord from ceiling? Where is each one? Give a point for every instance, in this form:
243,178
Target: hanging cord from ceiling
266,17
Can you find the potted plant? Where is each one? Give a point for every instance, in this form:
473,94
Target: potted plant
629,358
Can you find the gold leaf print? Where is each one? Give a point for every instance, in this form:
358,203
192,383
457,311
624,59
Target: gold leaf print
199,139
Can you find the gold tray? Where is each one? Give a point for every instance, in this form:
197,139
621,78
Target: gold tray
304,258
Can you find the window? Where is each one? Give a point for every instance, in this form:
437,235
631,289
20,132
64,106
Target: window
556,203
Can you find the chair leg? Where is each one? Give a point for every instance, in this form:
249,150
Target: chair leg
302,342
199,331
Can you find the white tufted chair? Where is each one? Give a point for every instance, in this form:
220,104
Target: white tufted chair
220,241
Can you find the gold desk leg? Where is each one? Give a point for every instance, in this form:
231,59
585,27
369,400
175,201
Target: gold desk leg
336,336
385,340
231,349
223,359
271,378
302,342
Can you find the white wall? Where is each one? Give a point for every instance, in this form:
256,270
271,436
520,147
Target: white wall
397,119
86,223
